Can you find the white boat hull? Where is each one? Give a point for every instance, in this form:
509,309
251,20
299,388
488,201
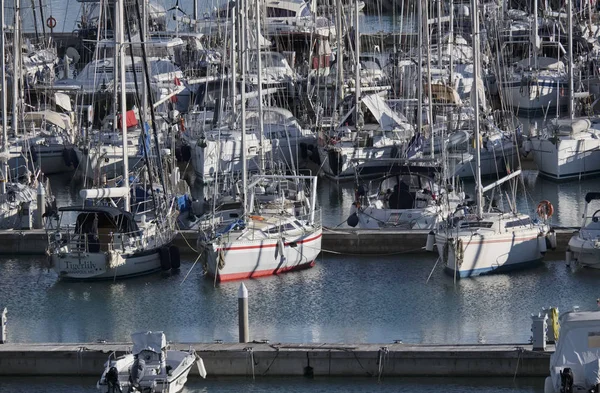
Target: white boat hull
585,251
250,259
543,96
97,266
489,254
493,163
567,158
180,365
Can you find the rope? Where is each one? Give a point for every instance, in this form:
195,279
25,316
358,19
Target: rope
520,350
186,241
189,271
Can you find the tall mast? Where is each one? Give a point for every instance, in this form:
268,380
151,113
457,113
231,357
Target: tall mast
261,127
233,54
571,76
4,112
419,67
475,100
16,66
357,63
535,33
120,27
340,50
243,16
143,40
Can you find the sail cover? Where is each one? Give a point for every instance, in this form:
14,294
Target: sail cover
385,116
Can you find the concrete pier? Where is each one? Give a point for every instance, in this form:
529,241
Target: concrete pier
335,241
376,360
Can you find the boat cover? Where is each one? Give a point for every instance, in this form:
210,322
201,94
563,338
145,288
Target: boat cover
148,341
578,348
385,116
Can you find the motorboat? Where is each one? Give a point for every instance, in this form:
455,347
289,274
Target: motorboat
584,245
151,367
575,364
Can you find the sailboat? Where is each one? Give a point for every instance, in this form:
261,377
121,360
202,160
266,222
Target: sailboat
107,240
261,244
568,149
18,203
471,244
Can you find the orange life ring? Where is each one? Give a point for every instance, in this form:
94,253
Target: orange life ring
545,209
51,22
257,218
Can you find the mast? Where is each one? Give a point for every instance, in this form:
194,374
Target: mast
244,73
451,45
535,33
340,50
357,63
419,68
571,76
16,67
4,112
123,98
233,65
261,127
143,38
475,100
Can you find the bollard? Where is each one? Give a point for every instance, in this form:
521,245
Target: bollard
3,334
41,206
243,313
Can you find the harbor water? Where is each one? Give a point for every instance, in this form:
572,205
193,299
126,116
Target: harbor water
297,385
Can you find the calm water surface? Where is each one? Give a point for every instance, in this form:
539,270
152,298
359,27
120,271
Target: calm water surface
297,385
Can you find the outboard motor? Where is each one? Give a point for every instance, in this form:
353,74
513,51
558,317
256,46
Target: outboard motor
112,380
137,373
566,381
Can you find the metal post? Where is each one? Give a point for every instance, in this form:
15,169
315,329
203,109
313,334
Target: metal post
243,313
3,334
41,206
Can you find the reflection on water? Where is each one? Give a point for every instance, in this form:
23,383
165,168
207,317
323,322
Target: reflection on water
342,299
297,385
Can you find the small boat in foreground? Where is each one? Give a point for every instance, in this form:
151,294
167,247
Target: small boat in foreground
150,368
575,364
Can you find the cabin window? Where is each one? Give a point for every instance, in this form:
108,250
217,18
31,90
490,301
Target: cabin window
518,223
273,12
476,224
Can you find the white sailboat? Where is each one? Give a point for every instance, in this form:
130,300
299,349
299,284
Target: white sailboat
261,244
486,242
108,241
567,149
